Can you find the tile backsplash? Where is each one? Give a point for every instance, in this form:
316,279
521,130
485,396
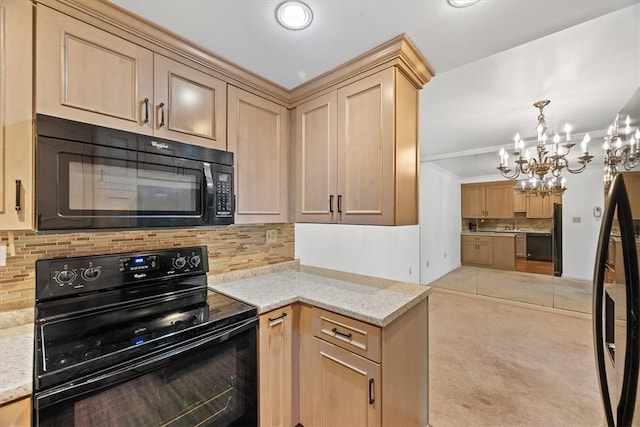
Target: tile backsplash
519,221
229,248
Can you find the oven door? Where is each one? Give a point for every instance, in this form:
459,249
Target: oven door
89,186
210,381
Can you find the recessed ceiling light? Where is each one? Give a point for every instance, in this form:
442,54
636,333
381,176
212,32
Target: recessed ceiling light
294,15
462,3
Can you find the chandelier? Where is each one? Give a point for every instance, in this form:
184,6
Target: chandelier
543,169
620,151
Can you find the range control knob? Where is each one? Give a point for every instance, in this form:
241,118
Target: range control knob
91,273
179,262
195,260
65,276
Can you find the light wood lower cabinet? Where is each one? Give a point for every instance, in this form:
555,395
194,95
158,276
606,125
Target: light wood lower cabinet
275,367
477,250
16,116
258,136
489,251
354,373
16,413
347,388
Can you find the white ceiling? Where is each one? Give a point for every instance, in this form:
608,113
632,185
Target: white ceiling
492,60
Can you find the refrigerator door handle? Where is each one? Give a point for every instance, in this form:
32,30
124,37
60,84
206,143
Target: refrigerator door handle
622,414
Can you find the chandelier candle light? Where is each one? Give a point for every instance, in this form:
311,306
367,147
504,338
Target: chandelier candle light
546,161
620,151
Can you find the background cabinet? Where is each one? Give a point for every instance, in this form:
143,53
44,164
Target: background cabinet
541,207
96,77
632,183
477,250
258,137
357,153
519,201
487,200
16,115
275,367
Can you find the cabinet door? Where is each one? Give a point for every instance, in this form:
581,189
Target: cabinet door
347,388
275,343
86,74
366,175
537,207
499,200
17,413
472,201
258,137
189,105
468,251
519,201
632,183
484,254
16,114
316,160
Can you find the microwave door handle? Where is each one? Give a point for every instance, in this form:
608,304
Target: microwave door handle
208,178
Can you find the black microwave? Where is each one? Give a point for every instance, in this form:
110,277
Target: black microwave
90,177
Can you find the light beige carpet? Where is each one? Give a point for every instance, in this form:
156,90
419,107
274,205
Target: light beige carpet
496,364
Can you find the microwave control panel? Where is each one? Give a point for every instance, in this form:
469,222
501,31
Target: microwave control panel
224,196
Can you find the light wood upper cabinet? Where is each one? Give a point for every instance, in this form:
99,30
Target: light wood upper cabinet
86,74
93,76
541,207
632,183
519,201
316,159
487,200
192,104
275,367
16,115
259,138
472,201
371,132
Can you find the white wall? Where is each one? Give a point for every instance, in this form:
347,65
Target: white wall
440,222
387,252
579,240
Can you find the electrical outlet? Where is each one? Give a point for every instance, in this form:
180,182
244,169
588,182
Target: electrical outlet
272,236
576,219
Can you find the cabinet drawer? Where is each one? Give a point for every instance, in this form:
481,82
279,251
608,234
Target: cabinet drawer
358,337
477,239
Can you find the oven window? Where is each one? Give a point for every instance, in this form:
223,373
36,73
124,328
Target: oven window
114,187
214,386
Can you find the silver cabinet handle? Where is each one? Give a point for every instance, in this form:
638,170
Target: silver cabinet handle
372,397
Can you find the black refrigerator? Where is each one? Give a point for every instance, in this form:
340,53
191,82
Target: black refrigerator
556,247
616,311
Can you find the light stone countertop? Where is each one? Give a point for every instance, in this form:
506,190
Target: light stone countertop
16,362
490,233
373,300
369,299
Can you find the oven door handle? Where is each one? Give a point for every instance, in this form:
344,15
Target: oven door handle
208,181
132,370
